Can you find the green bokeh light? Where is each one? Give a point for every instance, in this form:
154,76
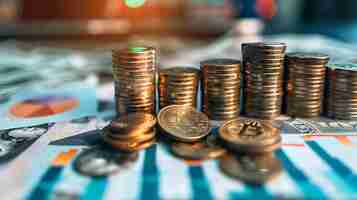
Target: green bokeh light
137,49
134,3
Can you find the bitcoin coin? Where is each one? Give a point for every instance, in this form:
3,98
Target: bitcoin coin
184,123
250,136
250,169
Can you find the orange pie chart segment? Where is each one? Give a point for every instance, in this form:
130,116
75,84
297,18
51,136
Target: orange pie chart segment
43,106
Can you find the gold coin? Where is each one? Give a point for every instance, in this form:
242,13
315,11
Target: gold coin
132,146
209,148
184,123
133,123
122,139
251,169
249,136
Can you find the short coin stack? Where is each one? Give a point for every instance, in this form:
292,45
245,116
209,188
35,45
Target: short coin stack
341,102
221,88
306,81
263,71
134,71
178,86
131,132
251,143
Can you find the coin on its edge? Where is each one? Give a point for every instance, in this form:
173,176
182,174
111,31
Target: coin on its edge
184,123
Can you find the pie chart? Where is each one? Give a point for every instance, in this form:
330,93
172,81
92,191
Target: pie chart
43,106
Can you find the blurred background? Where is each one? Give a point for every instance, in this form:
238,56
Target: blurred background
50,43
197,18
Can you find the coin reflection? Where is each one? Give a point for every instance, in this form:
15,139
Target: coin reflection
251,169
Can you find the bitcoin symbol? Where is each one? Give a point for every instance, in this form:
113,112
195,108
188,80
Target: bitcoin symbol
251,129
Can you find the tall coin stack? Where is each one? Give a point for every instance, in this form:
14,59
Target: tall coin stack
306,80
342,91
221,88
178,86
134,71
263,71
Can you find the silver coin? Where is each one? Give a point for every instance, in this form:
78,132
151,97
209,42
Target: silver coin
27,133
103,162
6,147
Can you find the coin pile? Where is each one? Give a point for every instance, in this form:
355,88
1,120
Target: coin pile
341,102
178,86
263,71
134,71
131,132
221,88
251,143
306,81
183,123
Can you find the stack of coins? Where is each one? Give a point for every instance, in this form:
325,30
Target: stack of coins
178,86
131,132
221,88
263,71
305,87
134,71
341,94
162,87
250,136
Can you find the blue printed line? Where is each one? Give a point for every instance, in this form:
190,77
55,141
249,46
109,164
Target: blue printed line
308,188
199,183
150,186
95,190
341,169
46,184
253,192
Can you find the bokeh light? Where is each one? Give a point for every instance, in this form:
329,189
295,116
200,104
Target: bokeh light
134,3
